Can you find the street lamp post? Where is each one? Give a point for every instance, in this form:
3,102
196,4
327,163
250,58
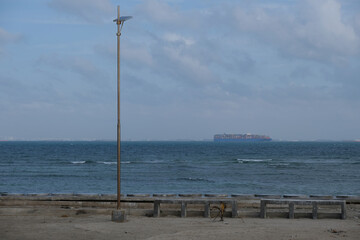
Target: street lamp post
118,215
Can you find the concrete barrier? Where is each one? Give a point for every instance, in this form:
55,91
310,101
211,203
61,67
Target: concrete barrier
184,203
292,203
143,204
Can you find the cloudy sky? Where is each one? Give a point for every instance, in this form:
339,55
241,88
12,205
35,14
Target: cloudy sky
189,69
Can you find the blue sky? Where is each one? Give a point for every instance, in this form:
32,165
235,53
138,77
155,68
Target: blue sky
189,69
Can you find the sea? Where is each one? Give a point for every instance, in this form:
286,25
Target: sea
325,168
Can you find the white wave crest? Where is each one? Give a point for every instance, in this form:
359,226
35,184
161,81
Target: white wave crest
246,160
78,162
108,163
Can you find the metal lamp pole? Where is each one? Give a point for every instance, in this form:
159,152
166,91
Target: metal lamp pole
120,22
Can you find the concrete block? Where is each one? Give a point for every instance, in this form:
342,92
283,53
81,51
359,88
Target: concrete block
118,216
291,210
314,210
207,210
156,208
234,209
183,209
263,209
343,210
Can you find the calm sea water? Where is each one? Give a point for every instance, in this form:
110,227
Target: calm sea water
181,167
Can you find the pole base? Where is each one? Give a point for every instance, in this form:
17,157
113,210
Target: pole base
118,216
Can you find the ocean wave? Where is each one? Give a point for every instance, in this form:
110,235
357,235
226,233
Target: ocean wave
155,161
195,179
108,163
83,162
143,162
279,164
247,160
78,162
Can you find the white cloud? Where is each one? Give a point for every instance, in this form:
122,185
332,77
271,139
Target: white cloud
216,57
92,11
325,30
138,56
357,23
85,68
167,15
7,38
188,66
160,12
173,37
310,29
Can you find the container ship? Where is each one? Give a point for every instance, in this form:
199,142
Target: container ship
240,138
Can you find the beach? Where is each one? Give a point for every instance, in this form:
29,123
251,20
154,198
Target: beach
89,217
49,223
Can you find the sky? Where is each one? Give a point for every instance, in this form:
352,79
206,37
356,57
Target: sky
189,69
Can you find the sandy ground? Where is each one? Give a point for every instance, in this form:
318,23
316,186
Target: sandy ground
99,226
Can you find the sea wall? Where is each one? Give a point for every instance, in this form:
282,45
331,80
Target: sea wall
143,204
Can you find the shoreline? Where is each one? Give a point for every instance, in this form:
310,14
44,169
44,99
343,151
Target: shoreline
56,222
84,216
110,197
144,204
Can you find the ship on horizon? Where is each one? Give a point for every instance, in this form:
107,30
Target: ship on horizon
248,137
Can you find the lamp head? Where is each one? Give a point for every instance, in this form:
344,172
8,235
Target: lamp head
122,19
